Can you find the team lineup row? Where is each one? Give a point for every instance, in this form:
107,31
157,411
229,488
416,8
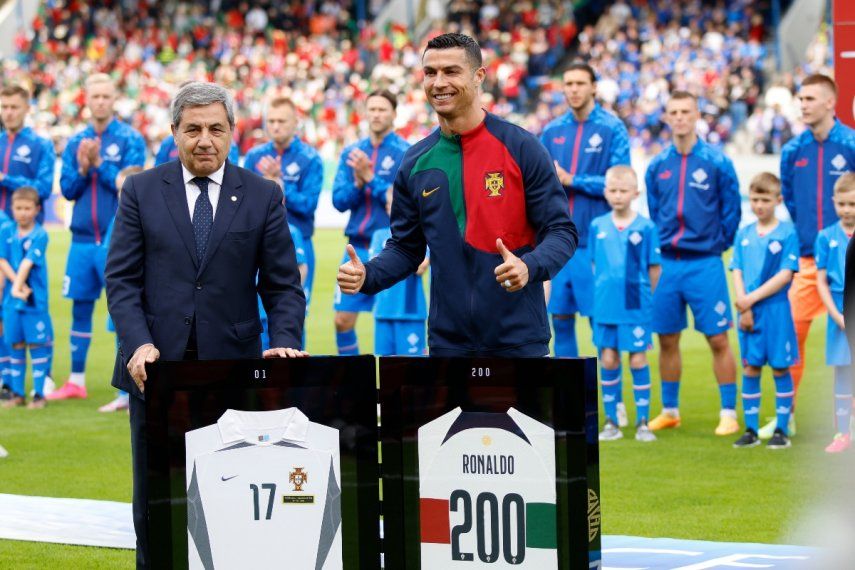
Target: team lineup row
692,193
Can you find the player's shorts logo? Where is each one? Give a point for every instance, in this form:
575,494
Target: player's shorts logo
494,182
298,478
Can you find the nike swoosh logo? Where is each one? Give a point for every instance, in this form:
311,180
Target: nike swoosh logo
426,193
227,478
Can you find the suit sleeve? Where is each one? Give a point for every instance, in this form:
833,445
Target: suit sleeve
43,181
546,208
124,273
731,202
305,201
345,194
71,184
787,181
595,184
405,250
279,278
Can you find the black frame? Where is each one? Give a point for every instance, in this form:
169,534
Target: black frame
336,391
561,393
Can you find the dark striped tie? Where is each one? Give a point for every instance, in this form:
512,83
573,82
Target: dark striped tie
203,217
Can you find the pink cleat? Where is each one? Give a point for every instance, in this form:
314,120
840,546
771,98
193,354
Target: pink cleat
69,391
841,442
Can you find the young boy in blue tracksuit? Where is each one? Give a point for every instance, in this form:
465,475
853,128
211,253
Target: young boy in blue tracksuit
26,318
830,251
625,252
765,257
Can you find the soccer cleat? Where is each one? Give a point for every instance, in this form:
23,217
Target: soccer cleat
768,429
622,419
15,402
120,403
779,440
643,433
48,388
841,442
69,391
37,403
727,425
610,432
5,393
748,439
664,421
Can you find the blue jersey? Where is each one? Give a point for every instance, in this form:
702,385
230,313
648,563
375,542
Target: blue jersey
761,257
622,260
587,149
28,160
33,246
694,200
404,301
809,170
367,205
168,151
94,195
302,178
830,251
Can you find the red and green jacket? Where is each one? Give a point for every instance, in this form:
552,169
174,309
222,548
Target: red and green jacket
458,194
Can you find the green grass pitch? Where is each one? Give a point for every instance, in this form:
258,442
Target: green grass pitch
689,484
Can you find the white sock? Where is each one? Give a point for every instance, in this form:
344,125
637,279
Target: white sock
78,379
673,412
728,414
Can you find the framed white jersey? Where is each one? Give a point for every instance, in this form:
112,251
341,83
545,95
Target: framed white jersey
263,491
487,491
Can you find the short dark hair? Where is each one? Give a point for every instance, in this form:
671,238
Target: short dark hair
19,90
582,66
820,79
451,41
386,94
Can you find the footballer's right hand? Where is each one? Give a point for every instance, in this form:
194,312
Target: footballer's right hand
146,353
351,275
746,320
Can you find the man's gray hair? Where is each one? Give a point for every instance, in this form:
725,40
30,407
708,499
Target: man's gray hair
199,94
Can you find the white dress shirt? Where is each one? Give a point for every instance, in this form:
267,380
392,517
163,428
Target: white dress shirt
193,191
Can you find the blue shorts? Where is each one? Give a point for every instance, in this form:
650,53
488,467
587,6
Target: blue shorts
773,340
360,302
394,337
26,326
699,283
573,287
623,338
84,275
836,344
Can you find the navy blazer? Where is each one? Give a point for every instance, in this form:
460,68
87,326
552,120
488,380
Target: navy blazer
157,289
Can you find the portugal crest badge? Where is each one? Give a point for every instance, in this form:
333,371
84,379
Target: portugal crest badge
494,182
298,478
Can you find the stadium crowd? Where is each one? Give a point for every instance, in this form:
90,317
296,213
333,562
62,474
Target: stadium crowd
101,76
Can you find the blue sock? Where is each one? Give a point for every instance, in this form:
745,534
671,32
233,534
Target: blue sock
81,333
619,394
18,365
751,401
842,397
641,389
610,379
40,359
347,343
670,394
728,396
565,337
784,393
4,362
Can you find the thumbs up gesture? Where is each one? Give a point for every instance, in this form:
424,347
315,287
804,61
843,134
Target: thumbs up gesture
512,274
351,275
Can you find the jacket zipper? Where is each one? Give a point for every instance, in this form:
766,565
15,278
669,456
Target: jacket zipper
95,205
681,195
819,167
6,170
574,162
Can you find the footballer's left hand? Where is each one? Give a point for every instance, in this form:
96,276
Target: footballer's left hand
284,353
743,303
512,274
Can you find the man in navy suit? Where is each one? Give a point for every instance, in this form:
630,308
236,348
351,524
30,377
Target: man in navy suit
189,239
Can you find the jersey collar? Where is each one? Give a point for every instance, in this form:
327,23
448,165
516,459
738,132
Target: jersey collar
289,424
